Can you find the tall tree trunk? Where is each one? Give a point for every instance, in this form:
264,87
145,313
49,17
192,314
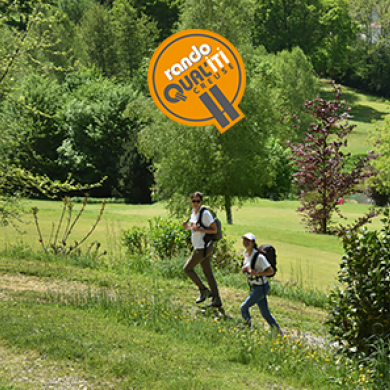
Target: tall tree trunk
228,209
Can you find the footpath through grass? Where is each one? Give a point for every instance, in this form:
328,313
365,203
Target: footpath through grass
116,324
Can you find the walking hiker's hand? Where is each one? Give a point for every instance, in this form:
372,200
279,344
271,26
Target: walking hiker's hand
253,272
185,224
244,269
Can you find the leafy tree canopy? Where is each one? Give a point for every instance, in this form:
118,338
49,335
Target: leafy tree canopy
20,41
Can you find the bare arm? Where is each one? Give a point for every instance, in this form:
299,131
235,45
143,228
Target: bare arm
267,272
212,229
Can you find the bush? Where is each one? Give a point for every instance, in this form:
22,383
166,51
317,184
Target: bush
359,308
225,257
135,240
164,239
168,239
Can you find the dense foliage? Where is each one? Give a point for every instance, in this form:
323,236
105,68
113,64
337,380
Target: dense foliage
68,68
381,186
359,311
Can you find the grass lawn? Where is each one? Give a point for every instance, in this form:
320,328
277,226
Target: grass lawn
111,328
311,260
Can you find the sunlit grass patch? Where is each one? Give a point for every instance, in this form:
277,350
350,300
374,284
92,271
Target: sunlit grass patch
84,327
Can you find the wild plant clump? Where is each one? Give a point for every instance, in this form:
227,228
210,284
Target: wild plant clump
165,239
60,234
359,310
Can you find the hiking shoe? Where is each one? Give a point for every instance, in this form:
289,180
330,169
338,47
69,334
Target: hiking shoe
216,302
203,295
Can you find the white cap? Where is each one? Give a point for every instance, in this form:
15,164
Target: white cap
249,236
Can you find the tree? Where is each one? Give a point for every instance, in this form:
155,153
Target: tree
372,17
236,165
332,55
75,9
20,42
97,39
281,171
99,137
225,167
135,36
40,130
116,40
322,29
234,20
296,82
369,58
381,184
228,168
164,12
319,164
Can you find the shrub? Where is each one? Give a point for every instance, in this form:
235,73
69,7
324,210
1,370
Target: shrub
135,240
167,239
359,308
164,239
225,257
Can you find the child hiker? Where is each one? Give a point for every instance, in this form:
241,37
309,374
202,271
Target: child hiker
258,282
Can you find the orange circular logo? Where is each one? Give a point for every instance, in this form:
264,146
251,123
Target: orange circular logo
197,78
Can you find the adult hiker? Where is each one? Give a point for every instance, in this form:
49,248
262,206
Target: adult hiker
202,250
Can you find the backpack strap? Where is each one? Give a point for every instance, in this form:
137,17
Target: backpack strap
253,264
201,224
201,211
254,258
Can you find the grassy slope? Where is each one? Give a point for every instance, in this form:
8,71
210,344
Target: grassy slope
44,314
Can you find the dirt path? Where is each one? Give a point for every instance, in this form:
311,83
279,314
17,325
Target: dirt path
27,369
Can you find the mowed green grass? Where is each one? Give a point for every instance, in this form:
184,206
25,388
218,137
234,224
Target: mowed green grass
364,109
311,260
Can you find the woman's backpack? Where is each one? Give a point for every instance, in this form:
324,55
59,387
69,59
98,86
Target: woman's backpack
210,237
270,253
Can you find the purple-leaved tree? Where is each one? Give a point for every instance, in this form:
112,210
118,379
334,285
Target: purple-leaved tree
319,165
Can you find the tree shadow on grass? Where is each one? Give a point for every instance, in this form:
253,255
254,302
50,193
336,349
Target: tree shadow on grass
362,113
349,97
